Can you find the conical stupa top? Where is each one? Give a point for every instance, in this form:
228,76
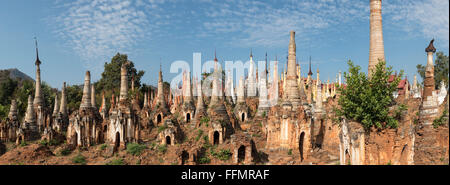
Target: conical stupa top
103,106
430,47
63,104
38,62
56,107
86,99
145,100
13,109
310,72
30,117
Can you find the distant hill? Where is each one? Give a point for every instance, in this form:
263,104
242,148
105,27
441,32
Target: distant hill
14,74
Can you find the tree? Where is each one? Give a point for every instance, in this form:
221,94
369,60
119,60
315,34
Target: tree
110,79
367,100
441,65
6,91
21,96
74,94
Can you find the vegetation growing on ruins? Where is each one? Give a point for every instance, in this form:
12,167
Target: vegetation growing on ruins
441,65
367,100
79,159
223,154
135,148
441,120
117,161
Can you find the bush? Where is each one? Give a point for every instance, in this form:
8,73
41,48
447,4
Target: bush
161,128
223,154
162,148
204,120
23,143
204,160
79,159
367,100
441,120
290,152
199,134
103,146
65,151
135,148
116,162
398,112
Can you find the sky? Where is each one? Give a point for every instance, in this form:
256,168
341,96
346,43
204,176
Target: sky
79,35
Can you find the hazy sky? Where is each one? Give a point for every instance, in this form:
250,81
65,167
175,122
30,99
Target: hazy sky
79,35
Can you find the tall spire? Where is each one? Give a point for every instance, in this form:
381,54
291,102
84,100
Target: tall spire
56,107
291,79
376,51
86,99
93,96
428,83
200,104
310,72
123,82
38,100
63,104
240,91
38,62
161,100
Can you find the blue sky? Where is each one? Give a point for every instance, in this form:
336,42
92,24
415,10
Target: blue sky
79,35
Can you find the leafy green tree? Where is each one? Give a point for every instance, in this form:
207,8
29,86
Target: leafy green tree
7,89
440,69
110,79
367,100
21,95
74,96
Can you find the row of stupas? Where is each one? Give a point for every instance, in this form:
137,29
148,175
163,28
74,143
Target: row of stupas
292,109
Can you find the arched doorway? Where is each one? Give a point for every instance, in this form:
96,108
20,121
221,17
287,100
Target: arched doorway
216,139
117,142
188,117
158,119
168,141
243,117
184,157
300,145
241,154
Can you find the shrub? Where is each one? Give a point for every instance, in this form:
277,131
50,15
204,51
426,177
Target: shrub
223,154
23,143
103,146
367,100
398,112
290,152
204,120
135,148
79,159
441,120
161,128
204,160
162,148
118,161
65,151
199,134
